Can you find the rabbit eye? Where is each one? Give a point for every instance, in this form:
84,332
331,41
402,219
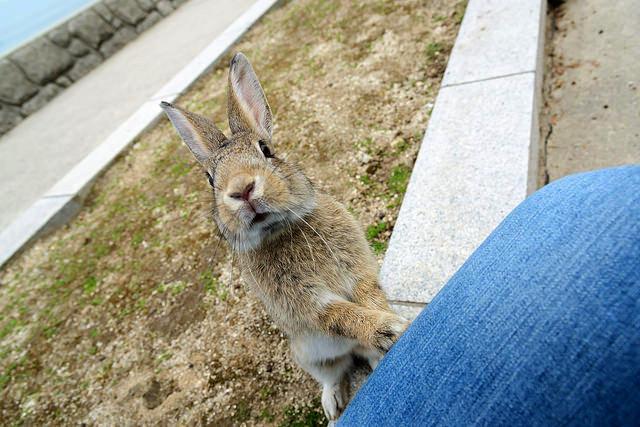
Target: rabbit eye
210,178
265,149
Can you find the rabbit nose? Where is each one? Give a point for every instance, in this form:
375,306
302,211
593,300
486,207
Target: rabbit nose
245,194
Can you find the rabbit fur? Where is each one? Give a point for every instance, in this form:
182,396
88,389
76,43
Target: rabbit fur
299,250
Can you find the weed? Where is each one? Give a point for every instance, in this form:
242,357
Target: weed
373,231
243,411
49,331
310,416
434,49
165,356
9,327
90,285
209,282
402,146
180,169
379,247
137,238
265,392
4,379
266,415
175,288
397,182
366,145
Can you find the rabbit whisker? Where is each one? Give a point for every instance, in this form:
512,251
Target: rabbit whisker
315,231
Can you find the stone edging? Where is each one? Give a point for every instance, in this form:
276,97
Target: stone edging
65,198
38,71
479,155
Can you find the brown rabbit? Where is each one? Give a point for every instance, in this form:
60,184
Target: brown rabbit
300,251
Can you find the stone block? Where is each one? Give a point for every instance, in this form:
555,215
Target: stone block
63,81
473,168
104,12
15,88
497,38
45,95
117,23
83,66
91,28
164,7
177,3
9,117
60,36
149,21
41,60
127,10
119,39
146,5
78,48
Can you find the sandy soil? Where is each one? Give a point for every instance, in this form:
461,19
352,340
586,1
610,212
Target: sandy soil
134,313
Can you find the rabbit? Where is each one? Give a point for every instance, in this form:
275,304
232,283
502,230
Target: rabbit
299,250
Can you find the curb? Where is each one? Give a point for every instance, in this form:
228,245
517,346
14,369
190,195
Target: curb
63,201
479,156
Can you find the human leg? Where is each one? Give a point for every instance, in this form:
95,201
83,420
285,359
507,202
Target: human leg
540,326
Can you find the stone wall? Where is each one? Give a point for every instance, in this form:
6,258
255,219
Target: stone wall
36,72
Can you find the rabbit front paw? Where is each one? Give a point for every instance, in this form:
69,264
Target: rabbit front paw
388,333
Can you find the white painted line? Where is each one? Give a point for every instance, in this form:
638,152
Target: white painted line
62,201
478,159
34,220
79,179
206,59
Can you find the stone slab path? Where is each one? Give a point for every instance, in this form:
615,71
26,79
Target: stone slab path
45,146
592,87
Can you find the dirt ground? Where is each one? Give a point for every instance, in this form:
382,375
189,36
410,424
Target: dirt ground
591,89
134,312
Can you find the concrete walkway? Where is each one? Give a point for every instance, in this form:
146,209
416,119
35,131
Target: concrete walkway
593,87
44,147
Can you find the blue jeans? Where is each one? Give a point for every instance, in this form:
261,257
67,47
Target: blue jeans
541,325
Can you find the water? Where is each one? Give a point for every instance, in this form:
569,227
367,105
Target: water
22,20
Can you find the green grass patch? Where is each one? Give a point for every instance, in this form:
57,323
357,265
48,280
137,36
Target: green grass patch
433,49
243,412
379,247
374,237
366,180
366,145
9,327
90,285
266,415
373,231
310,416
398,180
212,285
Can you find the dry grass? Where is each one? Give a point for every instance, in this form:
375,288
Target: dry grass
134,313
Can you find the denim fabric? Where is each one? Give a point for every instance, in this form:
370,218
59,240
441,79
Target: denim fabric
541,326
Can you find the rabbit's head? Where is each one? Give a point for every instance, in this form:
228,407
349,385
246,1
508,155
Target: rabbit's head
256,193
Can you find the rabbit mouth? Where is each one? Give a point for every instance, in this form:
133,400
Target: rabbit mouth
258,218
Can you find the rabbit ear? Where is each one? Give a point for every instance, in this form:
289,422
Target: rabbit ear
201,136
247,104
